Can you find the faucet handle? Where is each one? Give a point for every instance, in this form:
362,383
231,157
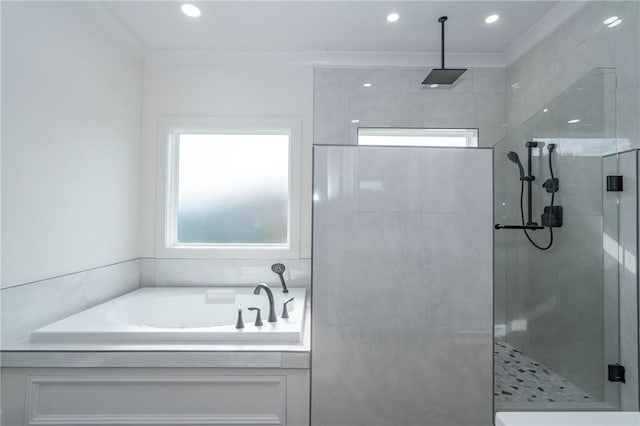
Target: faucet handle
239,323
258,322
285,313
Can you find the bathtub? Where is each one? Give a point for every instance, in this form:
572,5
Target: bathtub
182,314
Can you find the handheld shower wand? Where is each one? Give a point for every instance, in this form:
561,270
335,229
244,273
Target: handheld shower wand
279,269
514,158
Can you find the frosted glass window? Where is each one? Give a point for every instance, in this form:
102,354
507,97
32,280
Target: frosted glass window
233,189
418,137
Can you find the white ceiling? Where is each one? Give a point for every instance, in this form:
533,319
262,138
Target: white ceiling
342,26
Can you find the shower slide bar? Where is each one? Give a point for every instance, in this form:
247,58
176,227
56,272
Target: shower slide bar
529,178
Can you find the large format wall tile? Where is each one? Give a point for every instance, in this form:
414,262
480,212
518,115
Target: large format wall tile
570,52
30,306
455,181
402,295
397,98
388,186
221,272
402,376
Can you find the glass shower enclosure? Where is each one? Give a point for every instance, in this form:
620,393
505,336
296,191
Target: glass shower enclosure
556,254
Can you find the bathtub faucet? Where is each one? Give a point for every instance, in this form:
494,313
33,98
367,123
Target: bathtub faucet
272,308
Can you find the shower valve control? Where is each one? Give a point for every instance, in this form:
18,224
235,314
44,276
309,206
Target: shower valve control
551,185
617,373
614,184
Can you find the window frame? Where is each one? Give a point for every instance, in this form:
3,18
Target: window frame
170,128
470,133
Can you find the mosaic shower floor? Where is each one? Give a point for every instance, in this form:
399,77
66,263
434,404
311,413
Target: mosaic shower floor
519,378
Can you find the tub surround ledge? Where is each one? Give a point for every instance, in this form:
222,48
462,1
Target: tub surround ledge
155,359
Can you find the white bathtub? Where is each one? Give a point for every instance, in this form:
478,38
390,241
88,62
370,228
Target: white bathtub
182,314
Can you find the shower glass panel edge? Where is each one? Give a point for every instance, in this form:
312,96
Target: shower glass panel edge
556,322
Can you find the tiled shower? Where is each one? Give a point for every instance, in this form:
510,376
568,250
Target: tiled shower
557,321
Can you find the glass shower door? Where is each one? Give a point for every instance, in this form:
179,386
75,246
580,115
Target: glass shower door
556,254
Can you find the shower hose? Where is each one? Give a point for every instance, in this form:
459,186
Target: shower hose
553,195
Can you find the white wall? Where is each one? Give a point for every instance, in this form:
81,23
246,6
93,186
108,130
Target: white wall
71,122
222,90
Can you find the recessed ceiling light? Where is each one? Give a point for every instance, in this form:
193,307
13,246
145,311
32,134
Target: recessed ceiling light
393,17
355,121
491,19
574,121
433,86
545,110
366,85
190,10
615,23
610,20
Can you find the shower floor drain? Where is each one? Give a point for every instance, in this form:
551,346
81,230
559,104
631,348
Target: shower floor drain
519,378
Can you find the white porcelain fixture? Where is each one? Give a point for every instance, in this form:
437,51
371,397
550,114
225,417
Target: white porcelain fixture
181,314
584,418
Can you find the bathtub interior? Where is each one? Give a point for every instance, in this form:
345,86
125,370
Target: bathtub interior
183,314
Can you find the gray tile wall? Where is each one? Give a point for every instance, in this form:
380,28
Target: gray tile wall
571,51
402,286
397,98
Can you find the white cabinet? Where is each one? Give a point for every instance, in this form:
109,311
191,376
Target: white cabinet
155,396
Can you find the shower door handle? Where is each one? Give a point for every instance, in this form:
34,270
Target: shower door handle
527,227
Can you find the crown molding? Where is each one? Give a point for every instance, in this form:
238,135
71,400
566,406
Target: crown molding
554,18
96,11
324,58
551,20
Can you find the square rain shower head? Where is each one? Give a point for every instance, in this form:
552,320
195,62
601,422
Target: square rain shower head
445,76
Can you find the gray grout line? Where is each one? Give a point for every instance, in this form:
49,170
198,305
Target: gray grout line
70,273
